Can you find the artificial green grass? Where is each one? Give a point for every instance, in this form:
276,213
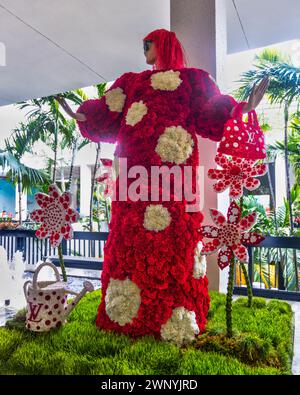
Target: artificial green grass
262,344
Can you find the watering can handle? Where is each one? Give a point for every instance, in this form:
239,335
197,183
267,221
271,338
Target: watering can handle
25,286
35,275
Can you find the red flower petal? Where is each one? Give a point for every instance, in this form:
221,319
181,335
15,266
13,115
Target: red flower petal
215,174
251,183
66,196
233,213
224,257
222,185
236,190
35,215
209,231
53,191
252,238
68,235
217,217
248,221
241,253
259,170
222,161
210,247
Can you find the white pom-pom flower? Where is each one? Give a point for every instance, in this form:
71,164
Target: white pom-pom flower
136,113
115,99
122,300
181,328
157,217
175,145
166,80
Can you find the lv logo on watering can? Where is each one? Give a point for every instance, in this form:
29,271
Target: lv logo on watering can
47,305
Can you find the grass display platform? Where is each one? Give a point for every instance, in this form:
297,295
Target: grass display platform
262,344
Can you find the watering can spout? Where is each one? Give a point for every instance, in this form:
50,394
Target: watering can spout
87,287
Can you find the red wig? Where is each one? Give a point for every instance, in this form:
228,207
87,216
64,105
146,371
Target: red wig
170,52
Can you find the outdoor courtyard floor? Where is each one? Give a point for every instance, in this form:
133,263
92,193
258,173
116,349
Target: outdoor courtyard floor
262,344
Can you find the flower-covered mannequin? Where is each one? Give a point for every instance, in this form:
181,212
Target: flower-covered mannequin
153,281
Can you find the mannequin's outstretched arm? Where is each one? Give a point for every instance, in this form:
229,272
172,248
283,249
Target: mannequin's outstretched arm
210,108
99,119
78,116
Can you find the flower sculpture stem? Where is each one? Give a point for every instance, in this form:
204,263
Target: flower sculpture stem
249,288
245,272
62,263
229,298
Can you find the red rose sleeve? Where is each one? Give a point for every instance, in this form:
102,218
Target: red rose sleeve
210,108
103,115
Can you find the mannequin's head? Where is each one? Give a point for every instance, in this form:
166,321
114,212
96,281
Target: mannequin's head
163,50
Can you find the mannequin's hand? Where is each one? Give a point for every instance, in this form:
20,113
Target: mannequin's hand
64,105
256,95
78,116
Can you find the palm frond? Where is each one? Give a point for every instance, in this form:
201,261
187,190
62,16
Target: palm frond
28,176
272,55
284,83
101,89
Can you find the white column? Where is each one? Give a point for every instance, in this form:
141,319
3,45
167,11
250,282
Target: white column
201,27
85,189
16,203
23,203
280,181
74,188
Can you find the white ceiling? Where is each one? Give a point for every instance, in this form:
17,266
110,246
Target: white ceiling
53,46
258,23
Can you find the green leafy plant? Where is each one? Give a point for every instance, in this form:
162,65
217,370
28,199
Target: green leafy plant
25,177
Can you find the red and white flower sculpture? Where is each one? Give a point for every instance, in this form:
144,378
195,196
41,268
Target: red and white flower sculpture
236,174
230,236
106,177
55,215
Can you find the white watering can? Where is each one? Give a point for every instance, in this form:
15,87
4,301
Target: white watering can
47,305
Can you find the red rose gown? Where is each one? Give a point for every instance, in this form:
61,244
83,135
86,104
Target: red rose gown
153,282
